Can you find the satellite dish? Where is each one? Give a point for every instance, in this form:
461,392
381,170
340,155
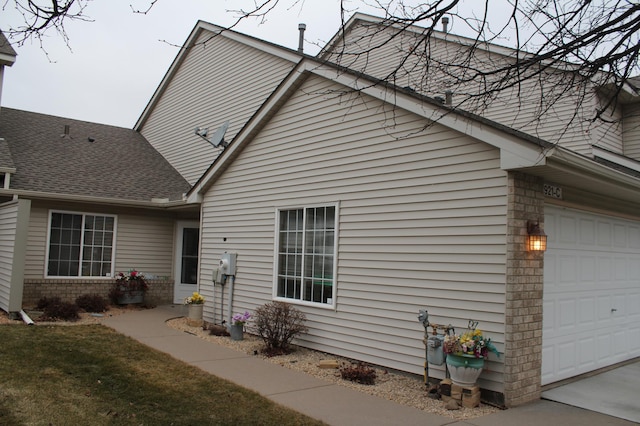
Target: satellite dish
217,138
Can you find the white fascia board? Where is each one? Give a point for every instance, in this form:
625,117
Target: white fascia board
514,152
273,49
615,158
6,59
21,193
563,158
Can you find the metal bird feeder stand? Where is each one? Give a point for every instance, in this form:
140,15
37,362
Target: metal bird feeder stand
434,342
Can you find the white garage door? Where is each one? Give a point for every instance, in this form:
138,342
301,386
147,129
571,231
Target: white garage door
591,314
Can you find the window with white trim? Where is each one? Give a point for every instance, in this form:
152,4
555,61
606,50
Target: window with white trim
306,254
80,245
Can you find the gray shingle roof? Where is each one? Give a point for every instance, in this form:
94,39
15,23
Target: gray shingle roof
6,161
118,163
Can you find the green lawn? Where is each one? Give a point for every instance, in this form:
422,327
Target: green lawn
91,375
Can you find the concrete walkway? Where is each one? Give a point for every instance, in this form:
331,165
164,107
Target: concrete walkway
331,403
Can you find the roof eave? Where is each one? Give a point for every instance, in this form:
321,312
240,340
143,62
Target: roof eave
151,204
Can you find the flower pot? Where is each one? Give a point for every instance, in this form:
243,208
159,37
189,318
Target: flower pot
194,314
129,297
236,332
464,369
195,311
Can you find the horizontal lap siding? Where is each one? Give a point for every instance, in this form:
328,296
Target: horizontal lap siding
8,223
532,106
631,131
143,242
197,96
421,223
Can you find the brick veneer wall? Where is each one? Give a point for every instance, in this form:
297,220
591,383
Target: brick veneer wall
524,286
160,291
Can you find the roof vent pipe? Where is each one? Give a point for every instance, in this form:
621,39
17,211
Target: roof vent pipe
445,24
448,97
301,28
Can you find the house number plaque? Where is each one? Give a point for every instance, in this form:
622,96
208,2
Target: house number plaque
552,191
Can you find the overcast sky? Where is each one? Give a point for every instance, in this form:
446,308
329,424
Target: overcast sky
118,60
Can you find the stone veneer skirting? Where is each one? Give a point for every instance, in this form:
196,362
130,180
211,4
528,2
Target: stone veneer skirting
160,291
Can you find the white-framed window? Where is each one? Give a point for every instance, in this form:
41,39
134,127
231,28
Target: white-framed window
306,254
80,244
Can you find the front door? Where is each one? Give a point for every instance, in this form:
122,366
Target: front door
187,238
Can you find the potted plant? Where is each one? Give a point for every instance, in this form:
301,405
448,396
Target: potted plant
128,288
466,354
195,304
237,325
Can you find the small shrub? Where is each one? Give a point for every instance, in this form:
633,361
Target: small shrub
359,373
277,323
92,303
61,311
47,301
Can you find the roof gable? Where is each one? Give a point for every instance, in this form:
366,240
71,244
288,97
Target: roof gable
518,150
201,28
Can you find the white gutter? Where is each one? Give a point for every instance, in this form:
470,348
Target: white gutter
154,203
566,158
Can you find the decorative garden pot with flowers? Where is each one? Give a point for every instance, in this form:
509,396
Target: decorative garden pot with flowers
236,329
466,354
195,306
129,288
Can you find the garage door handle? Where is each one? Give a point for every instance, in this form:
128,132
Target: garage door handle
613,310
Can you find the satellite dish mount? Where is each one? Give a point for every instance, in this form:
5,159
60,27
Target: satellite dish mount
217,140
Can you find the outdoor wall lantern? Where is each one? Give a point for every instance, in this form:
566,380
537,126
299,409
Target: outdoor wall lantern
537,239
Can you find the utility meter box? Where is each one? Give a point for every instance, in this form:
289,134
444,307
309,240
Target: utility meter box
228,264
435,350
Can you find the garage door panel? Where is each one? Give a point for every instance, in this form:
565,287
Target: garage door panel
591,306
548,317
567,315
620,236
588,270
586,311
634,237
568,270
585,354
587,232
632,304
605,269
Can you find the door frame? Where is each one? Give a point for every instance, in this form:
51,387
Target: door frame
179,289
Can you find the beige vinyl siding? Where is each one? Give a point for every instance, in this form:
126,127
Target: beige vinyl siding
607,133
202,94
143,242
547,106
421,223
13,219
631,131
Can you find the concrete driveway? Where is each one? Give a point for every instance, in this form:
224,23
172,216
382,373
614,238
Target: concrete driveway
615,392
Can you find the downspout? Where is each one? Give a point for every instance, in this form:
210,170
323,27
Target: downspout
26,318
230,303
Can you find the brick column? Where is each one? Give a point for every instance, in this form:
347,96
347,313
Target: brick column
524,286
